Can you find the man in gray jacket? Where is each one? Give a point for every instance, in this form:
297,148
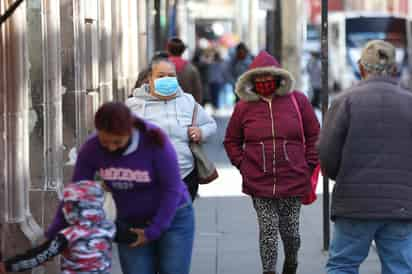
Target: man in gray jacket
366,146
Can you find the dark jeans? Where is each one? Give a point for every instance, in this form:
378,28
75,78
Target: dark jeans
316,98
192,184
215,89
171,253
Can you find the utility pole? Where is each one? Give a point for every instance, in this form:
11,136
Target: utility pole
325,104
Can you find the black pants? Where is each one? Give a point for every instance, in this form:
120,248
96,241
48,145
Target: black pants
192,184
215,90
316,100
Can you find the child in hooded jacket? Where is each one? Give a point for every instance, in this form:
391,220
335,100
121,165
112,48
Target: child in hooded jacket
85,245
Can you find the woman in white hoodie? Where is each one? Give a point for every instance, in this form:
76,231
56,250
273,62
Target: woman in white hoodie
165,104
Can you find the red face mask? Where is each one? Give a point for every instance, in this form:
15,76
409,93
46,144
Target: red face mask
265,88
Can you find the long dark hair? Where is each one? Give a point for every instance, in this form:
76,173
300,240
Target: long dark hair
142,78
116,118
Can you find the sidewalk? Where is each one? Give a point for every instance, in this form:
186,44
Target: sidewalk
227,239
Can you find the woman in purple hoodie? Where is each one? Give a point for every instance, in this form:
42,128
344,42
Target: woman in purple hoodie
138,164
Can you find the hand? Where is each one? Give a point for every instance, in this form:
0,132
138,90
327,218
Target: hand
141,238
2,268
195,134
105,187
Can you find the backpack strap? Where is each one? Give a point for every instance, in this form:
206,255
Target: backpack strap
296,105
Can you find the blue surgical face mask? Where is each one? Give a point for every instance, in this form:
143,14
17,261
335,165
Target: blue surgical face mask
166,86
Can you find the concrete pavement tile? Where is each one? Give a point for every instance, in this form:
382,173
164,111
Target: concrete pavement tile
204,254
236,215
239,262
205,242
206,215
243,243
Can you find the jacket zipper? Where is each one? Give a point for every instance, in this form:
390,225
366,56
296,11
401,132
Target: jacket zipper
263,156
167,118
274,147
285,152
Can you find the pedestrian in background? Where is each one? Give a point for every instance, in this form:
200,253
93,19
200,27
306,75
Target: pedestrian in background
314,69
187,74
164,103
139,167
216,78
240,61
85,244
365,146
201,61
264,141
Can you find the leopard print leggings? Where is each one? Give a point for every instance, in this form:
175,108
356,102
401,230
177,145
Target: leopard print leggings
278,216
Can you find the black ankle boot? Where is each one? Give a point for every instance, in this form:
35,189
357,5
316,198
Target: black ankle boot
290,269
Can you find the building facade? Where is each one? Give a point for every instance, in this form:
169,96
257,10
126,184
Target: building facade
60,60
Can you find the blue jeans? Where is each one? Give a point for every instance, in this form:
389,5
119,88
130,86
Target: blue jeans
215,94
170,254
352,239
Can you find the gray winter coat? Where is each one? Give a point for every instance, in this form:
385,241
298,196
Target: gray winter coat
366,146
174,116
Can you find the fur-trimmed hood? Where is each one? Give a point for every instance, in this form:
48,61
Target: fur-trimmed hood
264,63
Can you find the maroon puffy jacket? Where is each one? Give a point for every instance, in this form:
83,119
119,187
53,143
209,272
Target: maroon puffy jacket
264,140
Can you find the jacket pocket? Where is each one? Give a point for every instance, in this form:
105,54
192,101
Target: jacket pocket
294,153
254,160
